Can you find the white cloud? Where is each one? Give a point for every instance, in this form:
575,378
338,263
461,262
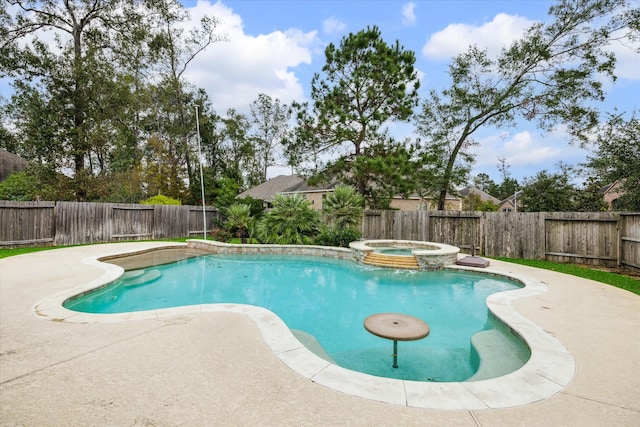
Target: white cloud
408,14
333,26
526,153
493,36
236,71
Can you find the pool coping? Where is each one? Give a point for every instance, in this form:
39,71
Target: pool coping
549,370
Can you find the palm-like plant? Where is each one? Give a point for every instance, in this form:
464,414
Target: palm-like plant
239,221
292,220
343,208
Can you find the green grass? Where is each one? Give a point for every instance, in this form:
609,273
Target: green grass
4,253
19,251
618,280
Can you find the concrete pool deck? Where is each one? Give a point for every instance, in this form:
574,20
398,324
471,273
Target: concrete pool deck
215,368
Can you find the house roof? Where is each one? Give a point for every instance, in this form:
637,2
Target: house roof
485,197
297,184
614,187
10,163
273,186
304,187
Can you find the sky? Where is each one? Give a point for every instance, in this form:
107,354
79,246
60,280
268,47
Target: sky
275,47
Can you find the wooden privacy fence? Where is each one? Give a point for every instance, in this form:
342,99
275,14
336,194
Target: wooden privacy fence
595,238
73,223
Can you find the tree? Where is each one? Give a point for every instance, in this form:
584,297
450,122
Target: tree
343,207
72,79
239,221
86,101
590,197
617,158
365,84
473,202
508,186
390,169
551,75
270,123
549,192
173,50
484,183
239,150
292,220
342,210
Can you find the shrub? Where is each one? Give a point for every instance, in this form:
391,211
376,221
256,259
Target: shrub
341,237
343,208
239,221
292,220
160,200
220,235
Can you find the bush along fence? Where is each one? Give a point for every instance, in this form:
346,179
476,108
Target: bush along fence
73,223
608,239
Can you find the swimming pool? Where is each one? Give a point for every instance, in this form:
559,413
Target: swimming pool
325,301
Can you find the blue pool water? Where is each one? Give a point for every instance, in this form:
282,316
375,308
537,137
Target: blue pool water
328,299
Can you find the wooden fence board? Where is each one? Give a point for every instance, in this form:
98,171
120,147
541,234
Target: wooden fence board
72,223
630,240
593,238
26,223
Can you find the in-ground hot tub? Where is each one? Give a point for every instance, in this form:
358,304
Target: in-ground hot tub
429,255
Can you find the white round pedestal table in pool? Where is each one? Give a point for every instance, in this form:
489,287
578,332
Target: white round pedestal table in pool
396,327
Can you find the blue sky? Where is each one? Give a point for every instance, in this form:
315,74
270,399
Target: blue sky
275,46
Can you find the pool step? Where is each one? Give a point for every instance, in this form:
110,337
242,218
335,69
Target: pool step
490,347
391,261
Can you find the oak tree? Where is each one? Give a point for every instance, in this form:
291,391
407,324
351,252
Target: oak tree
551,75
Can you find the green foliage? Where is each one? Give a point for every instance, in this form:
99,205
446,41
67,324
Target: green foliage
501,191
20,186
160,200
221,235
551,75
35,183
239,221
340,237
343,207
590,197
614,279
256,205
269,118
365,84
225,192
292,220
617,158
473,202
107,94
549,192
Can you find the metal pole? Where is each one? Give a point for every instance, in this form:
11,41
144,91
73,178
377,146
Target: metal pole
395,353
204,212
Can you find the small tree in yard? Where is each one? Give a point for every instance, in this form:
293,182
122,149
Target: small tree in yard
343,208
292,220
343,211
239,221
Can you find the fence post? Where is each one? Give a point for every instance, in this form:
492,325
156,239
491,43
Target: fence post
619,226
